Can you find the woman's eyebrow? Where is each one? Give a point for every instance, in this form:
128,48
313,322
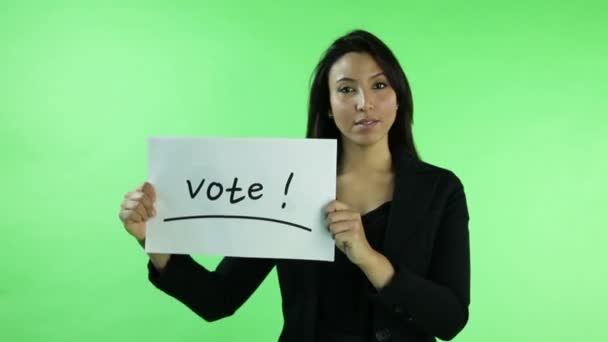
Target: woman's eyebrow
350,79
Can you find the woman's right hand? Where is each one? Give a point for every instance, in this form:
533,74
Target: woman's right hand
136,208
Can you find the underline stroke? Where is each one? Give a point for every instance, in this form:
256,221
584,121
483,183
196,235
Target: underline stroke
179,218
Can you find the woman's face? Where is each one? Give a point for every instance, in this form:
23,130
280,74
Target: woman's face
363,103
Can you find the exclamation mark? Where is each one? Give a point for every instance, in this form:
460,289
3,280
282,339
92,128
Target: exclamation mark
287,187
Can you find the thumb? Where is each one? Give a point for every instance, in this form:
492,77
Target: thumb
148,189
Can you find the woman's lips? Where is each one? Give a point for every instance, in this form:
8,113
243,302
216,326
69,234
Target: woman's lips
366,123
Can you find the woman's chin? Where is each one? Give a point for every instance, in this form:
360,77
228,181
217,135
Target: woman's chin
367,140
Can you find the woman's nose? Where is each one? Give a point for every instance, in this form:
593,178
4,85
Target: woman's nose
364,102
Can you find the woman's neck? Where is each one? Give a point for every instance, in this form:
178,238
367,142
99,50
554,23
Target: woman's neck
367,160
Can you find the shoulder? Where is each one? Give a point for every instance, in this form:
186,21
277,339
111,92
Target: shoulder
440,175
427,180
442,187
445,185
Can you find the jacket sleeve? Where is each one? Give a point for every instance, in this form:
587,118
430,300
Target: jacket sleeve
211,294
437,303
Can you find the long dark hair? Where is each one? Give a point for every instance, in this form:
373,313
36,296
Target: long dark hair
400,139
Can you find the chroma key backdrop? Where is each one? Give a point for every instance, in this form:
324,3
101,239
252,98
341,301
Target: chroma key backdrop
511,96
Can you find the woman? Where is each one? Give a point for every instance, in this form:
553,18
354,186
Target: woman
400,225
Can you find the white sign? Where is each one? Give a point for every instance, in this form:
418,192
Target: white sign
242,197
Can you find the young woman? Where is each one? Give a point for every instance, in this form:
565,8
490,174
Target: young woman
402,267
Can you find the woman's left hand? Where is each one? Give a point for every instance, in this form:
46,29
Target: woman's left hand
347,230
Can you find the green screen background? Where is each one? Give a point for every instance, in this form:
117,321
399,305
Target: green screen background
511,96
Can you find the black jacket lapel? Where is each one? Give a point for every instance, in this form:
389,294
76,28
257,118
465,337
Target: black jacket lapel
405,210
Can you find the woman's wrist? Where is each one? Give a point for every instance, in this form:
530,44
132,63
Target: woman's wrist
378,269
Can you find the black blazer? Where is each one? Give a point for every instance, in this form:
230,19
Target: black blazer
426,240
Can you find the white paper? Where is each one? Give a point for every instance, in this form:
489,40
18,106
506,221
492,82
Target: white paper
258,224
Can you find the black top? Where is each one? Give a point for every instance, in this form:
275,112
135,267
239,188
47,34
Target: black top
345,310
426,240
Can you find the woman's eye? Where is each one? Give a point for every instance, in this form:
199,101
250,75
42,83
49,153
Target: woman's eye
345,89
380,85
